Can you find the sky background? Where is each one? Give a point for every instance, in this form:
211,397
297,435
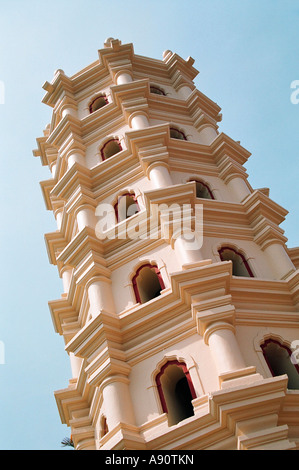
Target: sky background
247,53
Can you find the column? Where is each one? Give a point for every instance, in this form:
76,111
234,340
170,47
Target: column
100,296
239,188
185,91
85,216
117,401
139,121
159,175
220,336
75,157
187,250
69,110
207,135
123,77
279,260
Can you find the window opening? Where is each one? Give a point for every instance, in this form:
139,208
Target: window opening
176,391
126,206
176,134
203,190
110,148
147,283
240,265
278,358
98,103
156,90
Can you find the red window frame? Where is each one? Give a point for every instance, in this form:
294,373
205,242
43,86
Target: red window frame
182,366
180,132
239,254
134,280
121,196
206,186
94,100
107,143
265,344
161,92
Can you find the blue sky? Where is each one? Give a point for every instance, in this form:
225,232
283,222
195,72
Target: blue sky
247,54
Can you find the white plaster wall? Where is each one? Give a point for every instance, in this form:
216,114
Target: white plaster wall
250,337
89,94
142,384
122,288
168,89
138,186
254,255
93,150
217,186
190,132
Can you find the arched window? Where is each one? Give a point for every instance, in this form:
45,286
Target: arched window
176,391
126,206
203,190
278,358
147,283
176,134
156,90
98,103
110,148
240,265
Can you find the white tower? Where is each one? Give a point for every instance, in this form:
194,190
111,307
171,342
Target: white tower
175,342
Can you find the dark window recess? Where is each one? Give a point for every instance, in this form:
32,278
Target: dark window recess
110,148
98,103
240,265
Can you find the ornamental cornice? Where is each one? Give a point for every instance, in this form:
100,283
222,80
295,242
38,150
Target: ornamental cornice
117,57
55,244
60,86
229,169
149,137
137,89
224,417
266,234
47,153
95,340
258,204
198,102
202,120
293,284
177,66
167,107
93,267
74,400
273,297
212,315
178,193
80,198
63,313
207,280
80,247
77,177
68,128
46,187
223,145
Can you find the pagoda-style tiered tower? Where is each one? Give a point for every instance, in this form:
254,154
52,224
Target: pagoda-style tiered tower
179,309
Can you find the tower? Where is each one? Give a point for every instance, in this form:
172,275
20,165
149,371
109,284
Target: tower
179,309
